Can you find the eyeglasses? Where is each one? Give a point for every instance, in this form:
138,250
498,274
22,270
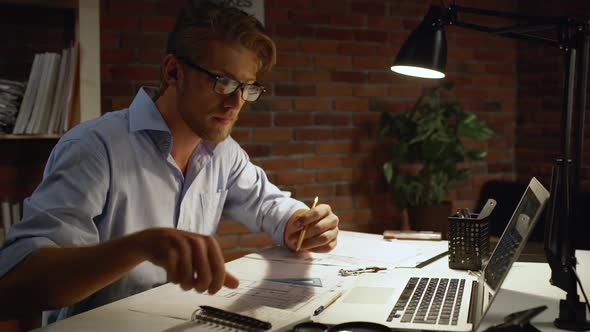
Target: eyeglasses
226,86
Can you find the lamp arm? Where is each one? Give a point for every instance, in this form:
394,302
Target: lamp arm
516,31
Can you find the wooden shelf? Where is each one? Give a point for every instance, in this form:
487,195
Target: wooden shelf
29,136
71,4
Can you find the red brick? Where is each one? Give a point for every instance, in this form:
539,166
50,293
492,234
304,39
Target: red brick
313,134
117,56
275,75
369,91
357,49
295,4
109,40
157,24
328,89
349,76
313,104
153,56
309,191
252,119
117,88
384,22
347,133
369,7
322,162
131,7
332,120
369,119
287,45
334,147
275,15
121,103
294,90
374,36
135,73
118,23
241,134
335,175
340,203
291,148
381,77
280,164
272,104
272,134
356,21
169,7
307,17
294,31
312,76
372,62
293,178
293,119
290,60
256,150
332,62
357,162
351,104
334,34
144,41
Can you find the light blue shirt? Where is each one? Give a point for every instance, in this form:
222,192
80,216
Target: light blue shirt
114,175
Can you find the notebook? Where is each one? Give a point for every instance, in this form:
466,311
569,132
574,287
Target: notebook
449,300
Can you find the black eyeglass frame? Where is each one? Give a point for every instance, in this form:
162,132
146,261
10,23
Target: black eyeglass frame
217,77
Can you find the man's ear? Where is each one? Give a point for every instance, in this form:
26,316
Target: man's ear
172,70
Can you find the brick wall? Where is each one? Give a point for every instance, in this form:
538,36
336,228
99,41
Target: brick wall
315,132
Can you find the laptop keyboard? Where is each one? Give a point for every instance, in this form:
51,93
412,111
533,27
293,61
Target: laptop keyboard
429,301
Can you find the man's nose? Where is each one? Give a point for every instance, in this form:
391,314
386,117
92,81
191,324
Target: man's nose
234,99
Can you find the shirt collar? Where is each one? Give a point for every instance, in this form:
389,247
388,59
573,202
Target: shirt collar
144,115
143,112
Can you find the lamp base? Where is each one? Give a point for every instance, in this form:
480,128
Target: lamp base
572,316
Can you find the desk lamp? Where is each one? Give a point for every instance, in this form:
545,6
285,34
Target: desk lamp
424,55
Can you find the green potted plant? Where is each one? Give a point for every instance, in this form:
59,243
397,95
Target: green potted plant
428,141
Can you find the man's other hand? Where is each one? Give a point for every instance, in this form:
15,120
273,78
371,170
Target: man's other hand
191,260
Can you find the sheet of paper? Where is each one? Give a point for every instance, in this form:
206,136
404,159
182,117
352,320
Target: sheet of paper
362,252
284,285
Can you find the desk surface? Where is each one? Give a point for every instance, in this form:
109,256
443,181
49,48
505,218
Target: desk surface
526,286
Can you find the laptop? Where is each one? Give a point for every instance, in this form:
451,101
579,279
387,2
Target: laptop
440,300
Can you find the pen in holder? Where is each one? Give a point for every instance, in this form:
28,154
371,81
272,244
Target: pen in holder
469,237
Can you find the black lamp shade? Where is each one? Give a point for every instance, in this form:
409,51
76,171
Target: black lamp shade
424,54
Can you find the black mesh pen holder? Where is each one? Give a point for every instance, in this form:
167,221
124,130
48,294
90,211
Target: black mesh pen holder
469,238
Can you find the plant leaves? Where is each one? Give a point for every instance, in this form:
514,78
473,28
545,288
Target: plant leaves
388,170
477,154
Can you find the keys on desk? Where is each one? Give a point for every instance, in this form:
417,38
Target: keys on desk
355,272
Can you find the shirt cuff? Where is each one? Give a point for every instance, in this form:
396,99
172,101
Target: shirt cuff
14,253
279,233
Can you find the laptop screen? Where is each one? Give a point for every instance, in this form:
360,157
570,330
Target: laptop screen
512,241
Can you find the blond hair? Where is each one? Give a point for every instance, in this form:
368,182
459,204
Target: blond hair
202,21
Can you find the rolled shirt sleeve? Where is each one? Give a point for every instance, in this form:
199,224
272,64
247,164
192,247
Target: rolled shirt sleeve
257,203
61,210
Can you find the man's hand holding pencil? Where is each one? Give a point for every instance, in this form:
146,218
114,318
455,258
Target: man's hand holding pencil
313,230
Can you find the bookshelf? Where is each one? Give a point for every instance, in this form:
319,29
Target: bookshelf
24,156
87,34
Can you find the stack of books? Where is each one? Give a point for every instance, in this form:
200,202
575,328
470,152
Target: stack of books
11,95
49,95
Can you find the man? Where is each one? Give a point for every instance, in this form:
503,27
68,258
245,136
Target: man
131,200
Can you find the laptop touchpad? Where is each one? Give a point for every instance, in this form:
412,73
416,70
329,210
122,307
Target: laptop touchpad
369,295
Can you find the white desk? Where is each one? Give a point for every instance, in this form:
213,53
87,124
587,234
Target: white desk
526,286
